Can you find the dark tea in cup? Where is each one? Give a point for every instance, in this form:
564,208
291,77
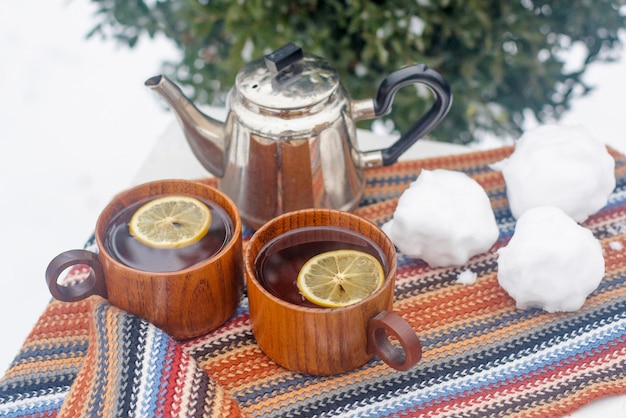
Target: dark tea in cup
128,250
316,340
187,291
281,259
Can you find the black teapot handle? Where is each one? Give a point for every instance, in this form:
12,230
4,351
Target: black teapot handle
415,74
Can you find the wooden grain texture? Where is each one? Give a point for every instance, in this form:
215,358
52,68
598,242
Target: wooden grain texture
317,341
185,303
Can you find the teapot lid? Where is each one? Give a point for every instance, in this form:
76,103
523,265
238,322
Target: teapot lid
287,79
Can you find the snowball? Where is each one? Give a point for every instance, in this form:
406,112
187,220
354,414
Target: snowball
559,166
466,277
551,262
444,218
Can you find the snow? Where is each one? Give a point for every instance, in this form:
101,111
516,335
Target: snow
551,262
466,276
444,218
68,106
562,166
76,123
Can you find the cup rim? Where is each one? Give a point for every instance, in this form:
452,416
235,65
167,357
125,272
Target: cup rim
249,261
237,232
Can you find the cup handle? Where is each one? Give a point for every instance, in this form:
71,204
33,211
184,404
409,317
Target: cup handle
92,285
378,330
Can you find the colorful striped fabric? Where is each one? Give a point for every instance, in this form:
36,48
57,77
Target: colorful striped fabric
482,356
96,360
126,352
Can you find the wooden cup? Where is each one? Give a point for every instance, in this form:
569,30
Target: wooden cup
184,303
327,341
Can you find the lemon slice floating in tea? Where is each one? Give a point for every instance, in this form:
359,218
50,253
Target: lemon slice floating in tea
170,222
340,278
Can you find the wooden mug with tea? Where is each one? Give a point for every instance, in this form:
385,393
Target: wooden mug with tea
185,291
308,338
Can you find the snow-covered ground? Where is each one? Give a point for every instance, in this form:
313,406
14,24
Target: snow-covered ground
76,123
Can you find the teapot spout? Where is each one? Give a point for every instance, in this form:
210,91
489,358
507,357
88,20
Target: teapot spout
205,135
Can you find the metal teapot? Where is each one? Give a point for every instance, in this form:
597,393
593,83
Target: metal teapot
289,140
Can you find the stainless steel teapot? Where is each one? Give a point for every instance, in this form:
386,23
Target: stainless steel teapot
289,140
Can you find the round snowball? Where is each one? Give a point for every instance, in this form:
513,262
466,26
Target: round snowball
444,218
551,262
559,166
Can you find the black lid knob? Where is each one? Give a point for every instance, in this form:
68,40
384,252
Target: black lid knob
283,57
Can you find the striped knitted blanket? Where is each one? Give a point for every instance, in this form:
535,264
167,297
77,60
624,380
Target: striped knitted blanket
482,356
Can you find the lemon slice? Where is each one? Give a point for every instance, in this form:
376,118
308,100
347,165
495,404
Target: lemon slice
170,222
340,278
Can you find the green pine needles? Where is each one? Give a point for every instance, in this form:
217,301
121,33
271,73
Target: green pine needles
502,58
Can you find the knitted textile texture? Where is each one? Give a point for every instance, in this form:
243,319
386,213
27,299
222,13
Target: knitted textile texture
482,357
130,369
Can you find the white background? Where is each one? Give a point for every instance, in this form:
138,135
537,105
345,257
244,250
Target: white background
76,123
